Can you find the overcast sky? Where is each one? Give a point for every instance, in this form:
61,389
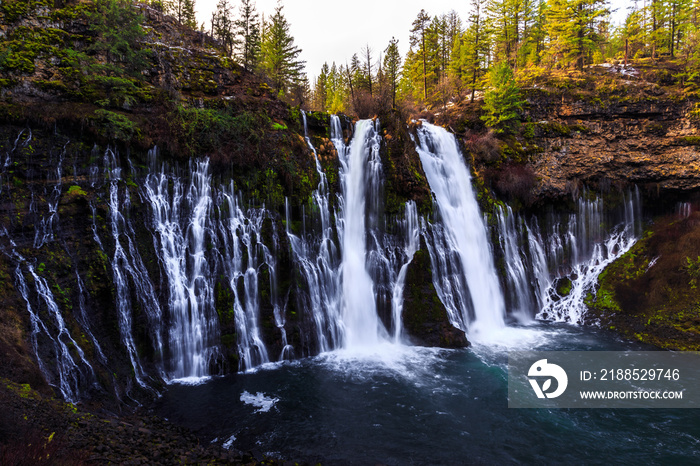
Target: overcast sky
329,30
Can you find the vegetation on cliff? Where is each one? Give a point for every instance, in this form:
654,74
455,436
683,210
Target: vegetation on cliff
651,292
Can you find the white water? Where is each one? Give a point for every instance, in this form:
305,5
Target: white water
44,230
412,244
359,168
182,243
481,308
317,259
128,268
578,246
243,248
70,375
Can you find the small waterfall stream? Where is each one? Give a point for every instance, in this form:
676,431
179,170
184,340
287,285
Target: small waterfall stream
181,219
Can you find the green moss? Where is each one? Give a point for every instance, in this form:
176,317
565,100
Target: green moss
278,127
76,191
564,287
23,390
691,140
114,126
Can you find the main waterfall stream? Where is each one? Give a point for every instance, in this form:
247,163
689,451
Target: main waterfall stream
370,398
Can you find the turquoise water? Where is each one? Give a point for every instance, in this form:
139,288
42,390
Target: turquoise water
401,405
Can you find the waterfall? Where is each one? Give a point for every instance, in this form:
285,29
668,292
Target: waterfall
317,260
128,267
575,247
72,373
412,230
683,209
360,174
601,249
182,222
460,250
243,251
522,301
44,230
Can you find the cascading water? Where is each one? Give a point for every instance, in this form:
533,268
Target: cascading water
128,267
523,300
578,246
684,209
360,171
317,259
70,375
244,254
182,244
590,250
349,266
460,251
411,245
44,231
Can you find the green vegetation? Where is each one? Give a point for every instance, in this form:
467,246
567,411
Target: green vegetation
650,293
692,267
114,126
76,191
200,131
502,101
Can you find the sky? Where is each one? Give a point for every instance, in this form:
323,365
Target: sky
331,30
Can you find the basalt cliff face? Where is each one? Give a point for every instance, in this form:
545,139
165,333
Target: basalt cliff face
88,243
650,141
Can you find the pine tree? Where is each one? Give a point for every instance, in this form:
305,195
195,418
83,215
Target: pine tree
320,94
419,32
222,25
392,67
471,52
248,30
502,101
337,92
367,68
678,15
572,26
117,25
183,11
279,55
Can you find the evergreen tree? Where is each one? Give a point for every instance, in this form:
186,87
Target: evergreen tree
419,32
633,35
117,25
678,16
502,101
320,94
222,25
183,11
248,31
392,67
367,69
336,90
502,23
572,26
279,56
471,53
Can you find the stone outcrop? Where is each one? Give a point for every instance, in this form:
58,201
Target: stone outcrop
643,135
424,316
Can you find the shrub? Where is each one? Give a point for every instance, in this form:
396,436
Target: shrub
516,182
114,126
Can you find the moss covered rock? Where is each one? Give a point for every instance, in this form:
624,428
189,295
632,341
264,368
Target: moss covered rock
424,316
